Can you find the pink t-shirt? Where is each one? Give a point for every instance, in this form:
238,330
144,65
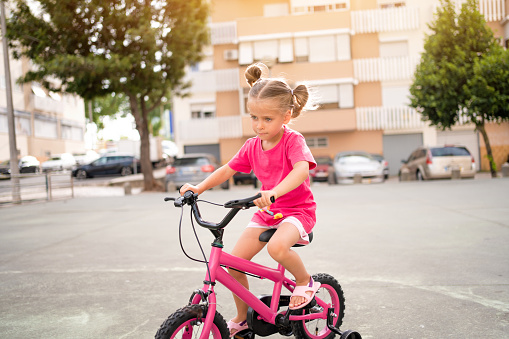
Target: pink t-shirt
271,167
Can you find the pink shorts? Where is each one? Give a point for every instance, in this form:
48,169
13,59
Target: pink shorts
304,237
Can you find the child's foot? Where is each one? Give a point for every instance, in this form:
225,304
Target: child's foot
234,326
303,294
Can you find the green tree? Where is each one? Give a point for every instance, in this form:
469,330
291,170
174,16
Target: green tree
488,91
138,48
440,88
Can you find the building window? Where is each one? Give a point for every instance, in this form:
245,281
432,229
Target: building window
317,142
323,48
333,96
309,6
394,48
203,111
391,4
45,128
72,133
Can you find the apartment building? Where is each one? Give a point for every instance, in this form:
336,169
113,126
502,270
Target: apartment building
45,123
358,55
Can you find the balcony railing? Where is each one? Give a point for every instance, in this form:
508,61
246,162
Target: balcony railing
47,105
221,80
385,20
385,69
386,118
194,130
223,33
493,10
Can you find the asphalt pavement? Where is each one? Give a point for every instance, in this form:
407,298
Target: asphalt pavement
415,260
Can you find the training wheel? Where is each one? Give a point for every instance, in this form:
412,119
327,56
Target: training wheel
349,334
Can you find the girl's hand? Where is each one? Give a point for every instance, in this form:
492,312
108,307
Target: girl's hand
188,187
264,200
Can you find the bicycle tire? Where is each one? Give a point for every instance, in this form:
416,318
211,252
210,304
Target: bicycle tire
186,321
331,292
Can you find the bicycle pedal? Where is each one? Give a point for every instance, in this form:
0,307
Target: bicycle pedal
244,334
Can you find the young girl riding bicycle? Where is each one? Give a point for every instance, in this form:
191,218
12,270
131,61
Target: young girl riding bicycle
281,160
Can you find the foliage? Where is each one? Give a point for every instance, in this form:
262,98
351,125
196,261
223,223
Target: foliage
94,48
440,91
488,89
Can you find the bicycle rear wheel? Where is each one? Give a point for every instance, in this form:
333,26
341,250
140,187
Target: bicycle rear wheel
187,323
331,293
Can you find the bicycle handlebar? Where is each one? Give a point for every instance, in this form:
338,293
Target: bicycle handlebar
190,198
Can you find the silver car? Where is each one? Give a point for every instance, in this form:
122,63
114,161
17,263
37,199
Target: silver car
191,168
349,165
438,163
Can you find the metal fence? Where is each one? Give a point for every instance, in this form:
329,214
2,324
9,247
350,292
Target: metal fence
35,187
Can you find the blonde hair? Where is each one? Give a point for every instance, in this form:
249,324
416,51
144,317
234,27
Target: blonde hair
277,89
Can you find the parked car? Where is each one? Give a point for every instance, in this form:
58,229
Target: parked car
242,178
324,170
27,164
108,165
191,168
60,162
348,164
85,157
438,162
380,158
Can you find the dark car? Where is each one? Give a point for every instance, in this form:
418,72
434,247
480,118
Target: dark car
108,165
245,178
324,170
191,168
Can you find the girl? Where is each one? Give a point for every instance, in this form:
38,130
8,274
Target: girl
281,160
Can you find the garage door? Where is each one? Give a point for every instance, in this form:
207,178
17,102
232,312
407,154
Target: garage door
398,147
469,139
211,149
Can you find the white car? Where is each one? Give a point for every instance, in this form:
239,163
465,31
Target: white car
64,161
349,164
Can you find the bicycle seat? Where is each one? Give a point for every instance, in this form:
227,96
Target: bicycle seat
265,237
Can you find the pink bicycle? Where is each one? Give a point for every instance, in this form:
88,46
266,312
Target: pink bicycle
268,314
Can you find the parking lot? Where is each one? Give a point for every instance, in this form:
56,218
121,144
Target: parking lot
415,259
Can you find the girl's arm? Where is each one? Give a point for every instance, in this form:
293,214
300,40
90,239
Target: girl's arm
297,176
219,176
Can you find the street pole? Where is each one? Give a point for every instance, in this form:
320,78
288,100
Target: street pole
13,149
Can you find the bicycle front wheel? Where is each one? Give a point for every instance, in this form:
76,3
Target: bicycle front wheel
332,294
187,323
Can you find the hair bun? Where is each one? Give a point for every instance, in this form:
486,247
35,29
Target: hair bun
253,73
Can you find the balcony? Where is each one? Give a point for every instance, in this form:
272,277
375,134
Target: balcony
493,10
222,80
385,20
46,104
388,118
210,129
223,33
385,69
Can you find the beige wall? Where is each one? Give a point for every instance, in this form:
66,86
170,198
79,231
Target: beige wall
368,94
498,135
230,10
230,147
227,103
292,23
362,5
219,61
365,46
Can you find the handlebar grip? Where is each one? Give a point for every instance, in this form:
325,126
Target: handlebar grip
245,203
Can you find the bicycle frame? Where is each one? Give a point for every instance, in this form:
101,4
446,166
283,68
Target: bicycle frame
268,314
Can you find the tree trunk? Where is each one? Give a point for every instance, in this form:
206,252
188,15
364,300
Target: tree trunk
480,128
140,117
